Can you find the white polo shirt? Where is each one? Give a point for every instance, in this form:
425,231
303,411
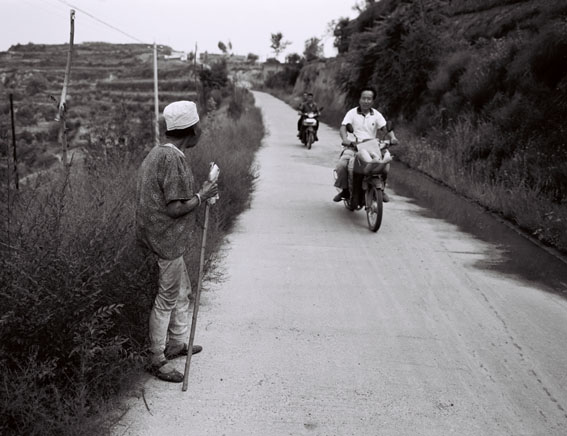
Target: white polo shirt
364,126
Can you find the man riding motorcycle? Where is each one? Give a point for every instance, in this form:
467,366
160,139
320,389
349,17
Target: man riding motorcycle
307,106
303,101
366,122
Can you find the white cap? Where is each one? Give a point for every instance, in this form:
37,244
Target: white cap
180,115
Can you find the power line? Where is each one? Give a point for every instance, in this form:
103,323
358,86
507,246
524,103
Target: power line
58,12
48,10
101,21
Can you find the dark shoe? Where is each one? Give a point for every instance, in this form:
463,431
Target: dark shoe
316,138
341,195
385,197
175,351
164,371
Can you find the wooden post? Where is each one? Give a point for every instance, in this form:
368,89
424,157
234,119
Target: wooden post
8,183
156,100
195,74
197,300
16,177
62,101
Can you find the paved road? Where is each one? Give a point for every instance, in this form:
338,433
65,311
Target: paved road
324,328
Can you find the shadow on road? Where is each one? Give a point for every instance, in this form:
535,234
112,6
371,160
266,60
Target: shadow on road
513,254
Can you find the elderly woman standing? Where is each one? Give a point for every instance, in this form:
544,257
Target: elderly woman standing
165,199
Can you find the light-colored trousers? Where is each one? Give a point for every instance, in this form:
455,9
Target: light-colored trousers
170,312
342,169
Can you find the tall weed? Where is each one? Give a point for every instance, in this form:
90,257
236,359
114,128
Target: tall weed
68,279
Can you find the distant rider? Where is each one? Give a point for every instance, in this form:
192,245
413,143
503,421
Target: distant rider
300,121
367,122
308,105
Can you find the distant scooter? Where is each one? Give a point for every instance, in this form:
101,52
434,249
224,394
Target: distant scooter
366,181
308,127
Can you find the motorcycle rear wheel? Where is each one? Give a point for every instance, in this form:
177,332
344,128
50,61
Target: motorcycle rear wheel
374,206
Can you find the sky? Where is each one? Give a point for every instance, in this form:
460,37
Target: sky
180,24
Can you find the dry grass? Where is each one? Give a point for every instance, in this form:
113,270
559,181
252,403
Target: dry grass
511,196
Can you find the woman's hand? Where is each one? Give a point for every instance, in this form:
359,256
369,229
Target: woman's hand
208,190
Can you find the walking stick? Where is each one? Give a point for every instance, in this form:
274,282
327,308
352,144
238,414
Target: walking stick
197,298
213,175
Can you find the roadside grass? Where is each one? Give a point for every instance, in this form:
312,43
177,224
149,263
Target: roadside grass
76,289
513,196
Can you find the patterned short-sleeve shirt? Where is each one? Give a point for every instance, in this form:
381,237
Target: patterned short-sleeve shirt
164,176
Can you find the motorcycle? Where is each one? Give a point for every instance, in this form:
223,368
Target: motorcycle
308,127
366,179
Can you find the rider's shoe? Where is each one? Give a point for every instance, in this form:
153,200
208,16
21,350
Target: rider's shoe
341,195
316,138
385,197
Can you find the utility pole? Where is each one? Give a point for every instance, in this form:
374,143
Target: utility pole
195,73
156,100
62,101
16,177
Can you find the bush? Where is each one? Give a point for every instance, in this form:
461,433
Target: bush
214,78
449,70
25,114
547,57
284,79
239,100
213,81
76,277
396,55
36,84
485,74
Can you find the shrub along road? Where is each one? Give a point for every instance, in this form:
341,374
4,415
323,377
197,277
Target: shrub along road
322,327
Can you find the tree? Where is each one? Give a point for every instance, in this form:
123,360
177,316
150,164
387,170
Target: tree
212,81
293,58
342,35
36,83
313,49
277,44
216,77
222,47
361,5
252,58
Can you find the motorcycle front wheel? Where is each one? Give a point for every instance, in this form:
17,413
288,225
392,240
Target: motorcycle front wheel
374,204
309,140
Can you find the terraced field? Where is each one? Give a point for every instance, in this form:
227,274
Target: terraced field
106,79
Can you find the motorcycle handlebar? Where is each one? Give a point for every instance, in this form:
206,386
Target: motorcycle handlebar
383,143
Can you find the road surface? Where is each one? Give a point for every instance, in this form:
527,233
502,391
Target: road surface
321,327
